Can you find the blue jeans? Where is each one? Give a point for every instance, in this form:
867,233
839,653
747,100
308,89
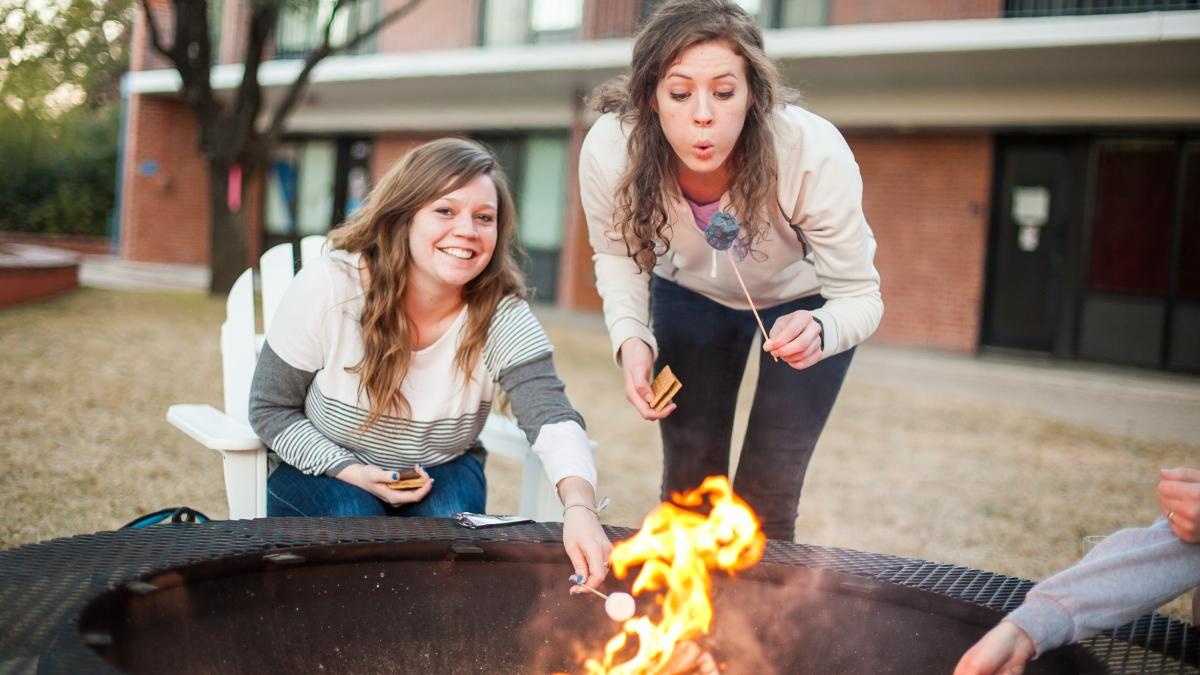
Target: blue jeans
706,345
459,485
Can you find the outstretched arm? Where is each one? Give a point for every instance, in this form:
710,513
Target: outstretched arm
1128,574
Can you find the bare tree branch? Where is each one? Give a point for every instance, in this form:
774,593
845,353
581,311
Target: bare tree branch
249,96
155,36
300,85
367,34
325,34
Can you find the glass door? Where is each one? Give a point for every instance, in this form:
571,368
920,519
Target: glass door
313,185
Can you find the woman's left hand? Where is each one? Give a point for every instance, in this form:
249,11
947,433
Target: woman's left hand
795,338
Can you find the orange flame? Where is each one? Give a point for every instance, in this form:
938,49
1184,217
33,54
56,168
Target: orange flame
676,549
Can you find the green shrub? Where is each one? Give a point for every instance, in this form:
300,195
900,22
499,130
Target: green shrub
58,175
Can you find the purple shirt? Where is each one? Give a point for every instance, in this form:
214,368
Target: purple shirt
703,212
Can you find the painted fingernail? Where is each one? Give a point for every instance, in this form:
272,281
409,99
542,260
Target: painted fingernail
395,476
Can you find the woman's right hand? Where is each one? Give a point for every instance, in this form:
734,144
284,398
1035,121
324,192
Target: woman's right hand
637,361
374,480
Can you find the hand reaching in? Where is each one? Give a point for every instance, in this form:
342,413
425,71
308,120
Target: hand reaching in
1004,650
1179,497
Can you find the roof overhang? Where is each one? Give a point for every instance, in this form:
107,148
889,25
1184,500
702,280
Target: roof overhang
1130,69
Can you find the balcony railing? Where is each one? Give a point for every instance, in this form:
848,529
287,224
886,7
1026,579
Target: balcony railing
300,28
1024,8
774,14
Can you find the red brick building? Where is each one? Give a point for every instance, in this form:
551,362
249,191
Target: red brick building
1032,169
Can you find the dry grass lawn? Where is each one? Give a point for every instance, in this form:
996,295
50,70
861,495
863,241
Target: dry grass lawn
88,377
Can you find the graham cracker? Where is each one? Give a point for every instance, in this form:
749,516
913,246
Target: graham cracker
664,386
409,480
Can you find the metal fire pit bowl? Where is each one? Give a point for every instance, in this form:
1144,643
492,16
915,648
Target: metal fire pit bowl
424,595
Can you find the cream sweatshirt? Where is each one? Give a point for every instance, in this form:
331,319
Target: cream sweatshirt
819,191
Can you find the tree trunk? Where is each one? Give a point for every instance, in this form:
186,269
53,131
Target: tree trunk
227,230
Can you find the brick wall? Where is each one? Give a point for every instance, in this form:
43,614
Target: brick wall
142,55
444,24
388,148
926,197
22,283
67,242
880,11
605,19
576,272
164,214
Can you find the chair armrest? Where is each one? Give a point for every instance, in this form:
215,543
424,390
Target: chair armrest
212,428
502,436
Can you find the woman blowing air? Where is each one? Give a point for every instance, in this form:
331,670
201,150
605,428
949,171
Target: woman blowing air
386,355
697,129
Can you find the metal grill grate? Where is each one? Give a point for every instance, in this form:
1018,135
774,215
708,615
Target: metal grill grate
44,587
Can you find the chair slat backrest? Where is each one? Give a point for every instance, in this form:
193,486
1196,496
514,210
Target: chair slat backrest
311,248
238,347
275,266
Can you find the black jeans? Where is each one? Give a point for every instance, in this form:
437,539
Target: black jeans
706,345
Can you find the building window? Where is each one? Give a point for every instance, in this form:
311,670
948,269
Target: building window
216,14
795,13
301,26
522,22
312,185
537,168
770,14
1141,299
1024,8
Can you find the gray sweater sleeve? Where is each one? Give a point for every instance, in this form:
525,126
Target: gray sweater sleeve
538,397
277,395
1128,574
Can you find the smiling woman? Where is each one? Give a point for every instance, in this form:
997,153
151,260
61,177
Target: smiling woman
452,239
385,355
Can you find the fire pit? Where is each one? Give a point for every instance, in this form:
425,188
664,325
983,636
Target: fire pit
415,595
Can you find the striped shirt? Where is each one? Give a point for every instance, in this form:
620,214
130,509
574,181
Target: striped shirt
306,405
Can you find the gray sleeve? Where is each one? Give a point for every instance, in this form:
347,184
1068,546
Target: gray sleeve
538,397
1128,574
277,395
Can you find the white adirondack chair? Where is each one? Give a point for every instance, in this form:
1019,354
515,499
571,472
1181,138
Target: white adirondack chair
245,457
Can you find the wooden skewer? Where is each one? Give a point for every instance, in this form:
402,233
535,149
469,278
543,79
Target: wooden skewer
593,590
578,582
749,299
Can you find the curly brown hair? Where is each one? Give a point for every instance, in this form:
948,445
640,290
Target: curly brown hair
379,231
641,211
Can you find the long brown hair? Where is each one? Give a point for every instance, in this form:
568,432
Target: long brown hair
641,211
379,231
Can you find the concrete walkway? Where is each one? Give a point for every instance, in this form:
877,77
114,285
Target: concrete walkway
1127,401
111,272
1141,404
1136,403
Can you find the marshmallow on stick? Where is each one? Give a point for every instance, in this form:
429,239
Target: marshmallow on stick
720,234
